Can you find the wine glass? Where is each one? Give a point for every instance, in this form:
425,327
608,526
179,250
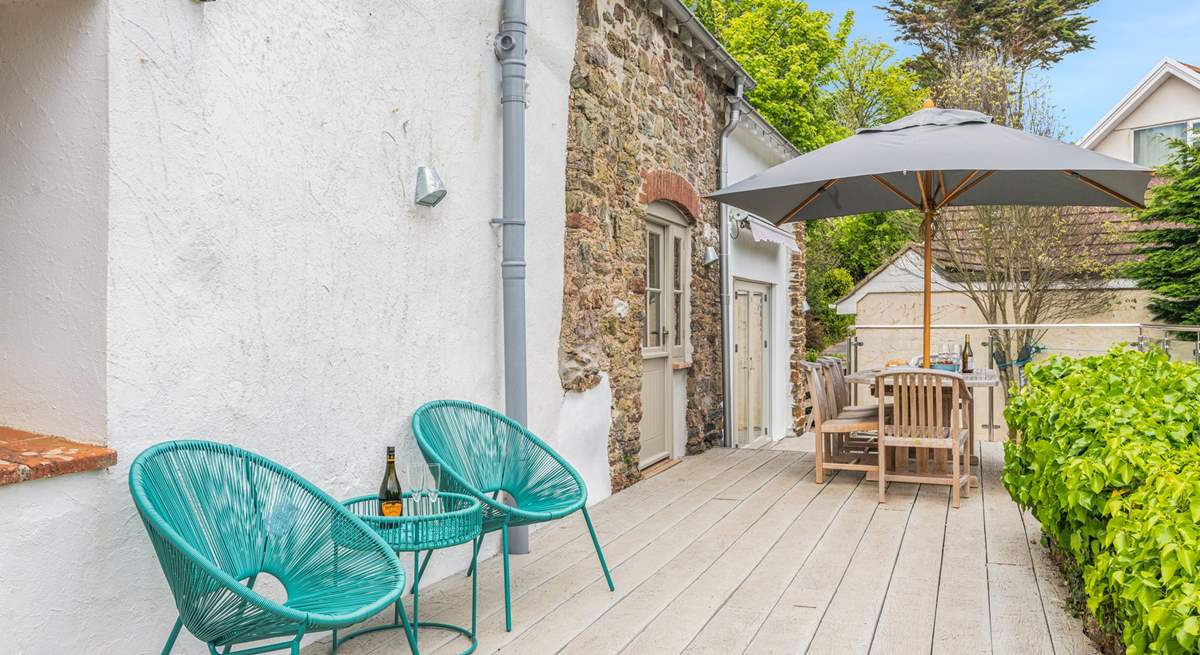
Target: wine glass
435,476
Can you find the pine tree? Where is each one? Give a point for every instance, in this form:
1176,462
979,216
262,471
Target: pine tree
1171,267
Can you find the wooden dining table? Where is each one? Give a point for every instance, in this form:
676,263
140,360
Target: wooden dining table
985,378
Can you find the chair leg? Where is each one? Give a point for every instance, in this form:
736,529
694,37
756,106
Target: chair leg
818,446
955,488
507,598
474,555
174,635
965,455
882,461
410,632
599,553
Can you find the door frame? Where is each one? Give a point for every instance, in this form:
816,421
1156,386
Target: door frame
748,285
675,346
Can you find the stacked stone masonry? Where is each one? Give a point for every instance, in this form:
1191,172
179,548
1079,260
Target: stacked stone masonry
645,122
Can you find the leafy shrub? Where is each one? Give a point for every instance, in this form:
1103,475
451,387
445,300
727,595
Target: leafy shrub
1109,462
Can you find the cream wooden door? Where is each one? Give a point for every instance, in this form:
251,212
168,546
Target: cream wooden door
751,367
656,352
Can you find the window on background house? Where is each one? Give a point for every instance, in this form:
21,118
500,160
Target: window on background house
1152,145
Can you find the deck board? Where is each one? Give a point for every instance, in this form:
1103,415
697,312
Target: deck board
739,551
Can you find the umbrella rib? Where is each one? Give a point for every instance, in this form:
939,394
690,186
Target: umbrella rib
807,201
964,187
896,191
923,187
1105,190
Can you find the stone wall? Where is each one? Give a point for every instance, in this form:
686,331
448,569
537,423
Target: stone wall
796,287
645,122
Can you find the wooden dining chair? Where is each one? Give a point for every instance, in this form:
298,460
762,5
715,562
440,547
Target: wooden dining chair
839,390
930,414
842,443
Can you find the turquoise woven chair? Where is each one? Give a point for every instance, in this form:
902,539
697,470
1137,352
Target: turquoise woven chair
483,453
219,516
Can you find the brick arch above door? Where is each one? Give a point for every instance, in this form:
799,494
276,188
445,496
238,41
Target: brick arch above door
666,186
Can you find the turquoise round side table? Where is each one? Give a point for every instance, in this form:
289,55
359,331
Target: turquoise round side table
458,520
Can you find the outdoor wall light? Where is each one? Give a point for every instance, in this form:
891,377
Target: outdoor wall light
710,256
430,189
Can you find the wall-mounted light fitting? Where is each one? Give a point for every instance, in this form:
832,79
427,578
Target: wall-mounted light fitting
430,189
710,256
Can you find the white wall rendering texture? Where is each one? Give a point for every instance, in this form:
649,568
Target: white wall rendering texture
270,282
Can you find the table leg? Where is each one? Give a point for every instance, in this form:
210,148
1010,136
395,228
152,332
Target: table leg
416,588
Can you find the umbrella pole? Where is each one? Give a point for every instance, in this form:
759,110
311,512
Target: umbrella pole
928,319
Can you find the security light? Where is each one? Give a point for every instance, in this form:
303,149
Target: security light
430,189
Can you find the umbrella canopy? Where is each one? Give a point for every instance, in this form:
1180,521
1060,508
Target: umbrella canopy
932,159
967,159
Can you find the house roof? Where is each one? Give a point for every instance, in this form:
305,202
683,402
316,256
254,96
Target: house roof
903,269
756,124
1161,72
680,21
1106,234
903,272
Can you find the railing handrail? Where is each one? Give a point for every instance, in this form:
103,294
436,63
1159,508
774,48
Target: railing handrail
1029,326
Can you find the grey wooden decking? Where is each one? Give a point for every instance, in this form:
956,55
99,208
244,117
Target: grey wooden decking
738,551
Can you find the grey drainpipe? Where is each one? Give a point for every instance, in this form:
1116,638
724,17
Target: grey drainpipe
735,113
510,50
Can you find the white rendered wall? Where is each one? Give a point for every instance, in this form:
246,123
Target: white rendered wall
53,228
767,263
270,282
1172,102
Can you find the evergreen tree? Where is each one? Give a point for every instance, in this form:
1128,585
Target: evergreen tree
1171,267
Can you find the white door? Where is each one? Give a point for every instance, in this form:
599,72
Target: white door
664,335
751,381
656,356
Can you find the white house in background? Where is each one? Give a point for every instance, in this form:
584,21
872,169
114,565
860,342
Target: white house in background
762,260
1165,104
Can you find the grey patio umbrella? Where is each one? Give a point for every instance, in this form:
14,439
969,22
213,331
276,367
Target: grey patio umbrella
932,159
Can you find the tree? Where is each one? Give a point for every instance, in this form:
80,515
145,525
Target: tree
789,50
816,87
841,251
1022,265
1022,35
869,87
1171,267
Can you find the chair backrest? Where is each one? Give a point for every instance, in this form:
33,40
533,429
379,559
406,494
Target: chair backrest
217,514
835,383
927,404
818,389
482,451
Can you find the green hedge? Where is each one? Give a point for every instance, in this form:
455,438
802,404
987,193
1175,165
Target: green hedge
1109,462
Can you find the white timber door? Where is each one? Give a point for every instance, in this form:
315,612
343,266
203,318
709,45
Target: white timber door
664,335
751,363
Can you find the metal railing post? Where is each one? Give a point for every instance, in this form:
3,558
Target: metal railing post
991,393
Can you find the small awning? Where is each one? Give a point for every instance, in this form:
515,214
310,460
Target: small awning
764,231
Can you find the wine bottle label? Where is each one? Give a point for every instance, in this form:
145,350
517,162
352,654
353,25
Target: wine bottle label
392,507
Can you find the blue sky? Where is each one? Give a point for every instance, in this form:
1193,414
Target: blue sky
1131,37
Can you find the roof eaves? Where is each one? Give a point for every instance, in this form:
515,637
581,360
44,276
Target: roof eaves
1134,98
879,269
680,21
764,130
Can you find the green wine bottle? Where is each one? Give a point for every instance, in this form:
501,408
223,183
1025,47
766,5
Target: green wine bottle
391,497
